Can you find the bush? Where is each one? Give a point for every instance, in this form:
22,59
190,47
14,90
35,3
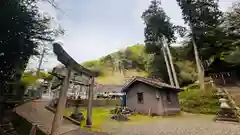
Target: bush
197,101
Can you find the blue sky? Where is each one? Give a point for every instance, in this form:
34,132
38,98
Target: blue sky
95,28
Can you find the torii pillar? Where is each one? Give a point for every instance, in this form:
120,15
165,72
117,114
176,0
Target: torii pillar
71,64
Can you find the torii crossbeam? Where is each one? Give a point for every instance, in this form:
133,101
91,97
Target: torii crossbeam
70,64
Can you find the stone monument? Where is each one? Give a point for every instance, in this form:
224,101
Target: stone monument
78,116
226,113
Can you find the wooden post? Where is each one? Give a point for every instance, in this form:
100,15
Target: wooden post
90,98
33,130
57,121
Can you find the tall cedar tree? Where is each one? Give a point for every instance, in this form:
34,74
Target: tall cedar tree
232,27
158,28
203,17
212,32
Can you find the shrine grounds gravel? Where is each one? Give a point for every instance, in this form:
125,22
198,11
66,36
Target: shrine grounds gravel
180,125
186,124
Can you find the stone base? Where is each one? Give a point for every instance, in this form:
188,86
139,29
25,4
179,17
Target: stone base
227,114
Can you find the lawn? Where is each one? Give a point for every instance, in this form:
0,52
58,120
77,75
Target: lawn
101,116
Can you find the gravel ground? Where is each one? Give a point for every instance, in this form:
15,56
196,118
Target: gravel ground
186,124
182,125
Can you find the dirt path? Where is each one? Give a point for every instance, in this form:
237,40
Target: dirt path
186,125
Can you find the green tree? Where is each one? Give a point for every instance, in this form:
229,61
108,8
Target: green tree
22,31
157,68
109,61
204,19
231,24
121,63
159,30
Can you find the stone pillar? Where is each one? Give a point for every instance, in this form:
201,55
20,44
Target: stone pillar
57,121
90,98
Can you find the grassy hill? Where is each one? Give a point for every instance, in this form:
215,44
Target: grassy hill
134,61
117,77
116,67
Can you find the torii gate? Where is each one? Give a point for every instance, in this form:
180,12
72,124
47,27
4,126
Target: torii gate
70,64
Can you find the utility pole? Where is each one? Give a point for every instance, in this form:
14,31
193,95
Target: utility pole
172,67
57,121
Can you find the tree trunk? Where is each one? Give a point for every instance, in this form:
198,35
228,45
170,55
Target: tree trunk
50,86
200,72
172,67
168,67
90,98
40,63
57,121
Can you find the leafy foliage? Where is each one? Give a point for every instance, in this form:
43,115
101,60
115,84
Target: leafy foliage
29,78
158,27
131,58
139,60
22,31
207,25
159,33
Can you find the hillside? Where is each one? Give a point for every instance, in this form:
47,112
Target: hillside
134,61
116,67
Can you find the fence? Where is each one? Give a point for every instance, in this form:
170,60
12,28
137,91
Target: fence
96,102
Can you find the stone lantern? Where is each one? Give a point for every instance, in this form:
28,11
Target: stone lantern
226,113
224,104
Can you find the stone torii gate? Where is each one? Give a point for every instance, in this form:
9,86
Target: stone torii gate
70,64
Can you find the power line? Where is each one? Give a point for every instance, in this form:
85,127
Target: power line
55,6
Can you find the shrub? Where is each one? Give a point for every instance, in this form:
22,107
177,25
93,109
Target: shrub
197,101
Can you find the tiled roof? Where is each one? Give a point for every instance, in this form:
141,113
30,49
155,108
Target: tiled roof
153,82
